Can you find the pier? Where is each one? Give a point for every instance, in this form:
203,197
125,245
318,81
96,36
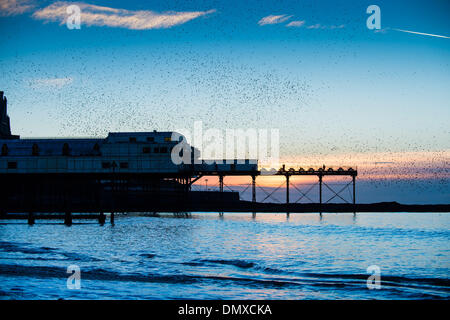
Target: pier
134,172
64,194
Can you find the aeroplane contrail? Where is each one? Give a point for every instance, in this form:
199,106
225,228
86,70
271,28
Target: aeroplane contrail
421,33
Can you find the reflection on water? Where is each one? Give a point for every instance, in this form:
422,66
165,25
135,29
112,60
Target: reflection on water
234,256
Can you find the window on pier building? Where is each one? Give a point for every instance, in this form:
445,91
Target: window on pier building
124,165
163,150
106,165
65,149
146,150
156,150
4,149
150,139
35,150
167,139
132,139
12,165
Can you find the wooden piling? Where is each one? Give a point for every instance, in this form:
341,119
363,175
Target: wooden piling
101,218
68,218
30,218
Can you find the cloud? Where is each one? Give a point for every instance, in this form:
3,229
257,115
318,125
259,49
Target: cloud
320,26
272,19
296,23
50,83
341,26
315,26
276,19
15,7
92,15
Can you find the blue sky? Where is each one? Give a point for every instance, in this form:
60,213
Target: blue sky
331,85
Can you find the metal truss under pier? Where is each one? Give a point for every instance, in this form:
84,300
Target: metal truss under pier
320,173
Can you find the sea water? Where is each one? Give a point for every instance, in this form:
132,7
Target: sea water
234,256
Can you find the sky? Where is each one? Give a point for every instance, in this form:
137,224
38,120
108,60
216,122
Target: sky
338,92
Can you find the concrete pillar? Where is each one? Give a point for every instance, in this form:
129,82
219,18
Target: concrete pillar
30,218
112,218
320,192
354,193
221,183
68,218
287,189
101,218
253,189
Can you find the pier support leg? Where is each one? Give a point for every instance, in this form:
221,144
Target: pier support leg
253,189
101,218
354,194
112,218
287,189
30,218
287,193
68,218
221,183
320,194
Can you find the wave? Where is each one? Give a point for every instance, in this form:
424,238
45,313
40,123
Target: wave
329,279
23,248
314,281
234,262
36,252
395,281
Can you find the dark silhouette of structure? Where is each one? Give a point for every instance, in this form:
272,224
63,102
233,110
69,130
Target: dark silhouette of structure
126,171
5,127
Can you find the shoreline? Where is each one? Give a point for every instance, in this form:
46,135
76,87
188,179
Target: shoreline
242,207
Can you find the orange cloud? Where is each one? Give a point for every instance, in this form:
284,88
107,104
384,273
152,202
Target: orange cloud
15,7
370,166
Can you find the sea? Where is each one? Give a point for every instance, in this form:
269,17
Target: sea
229,256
